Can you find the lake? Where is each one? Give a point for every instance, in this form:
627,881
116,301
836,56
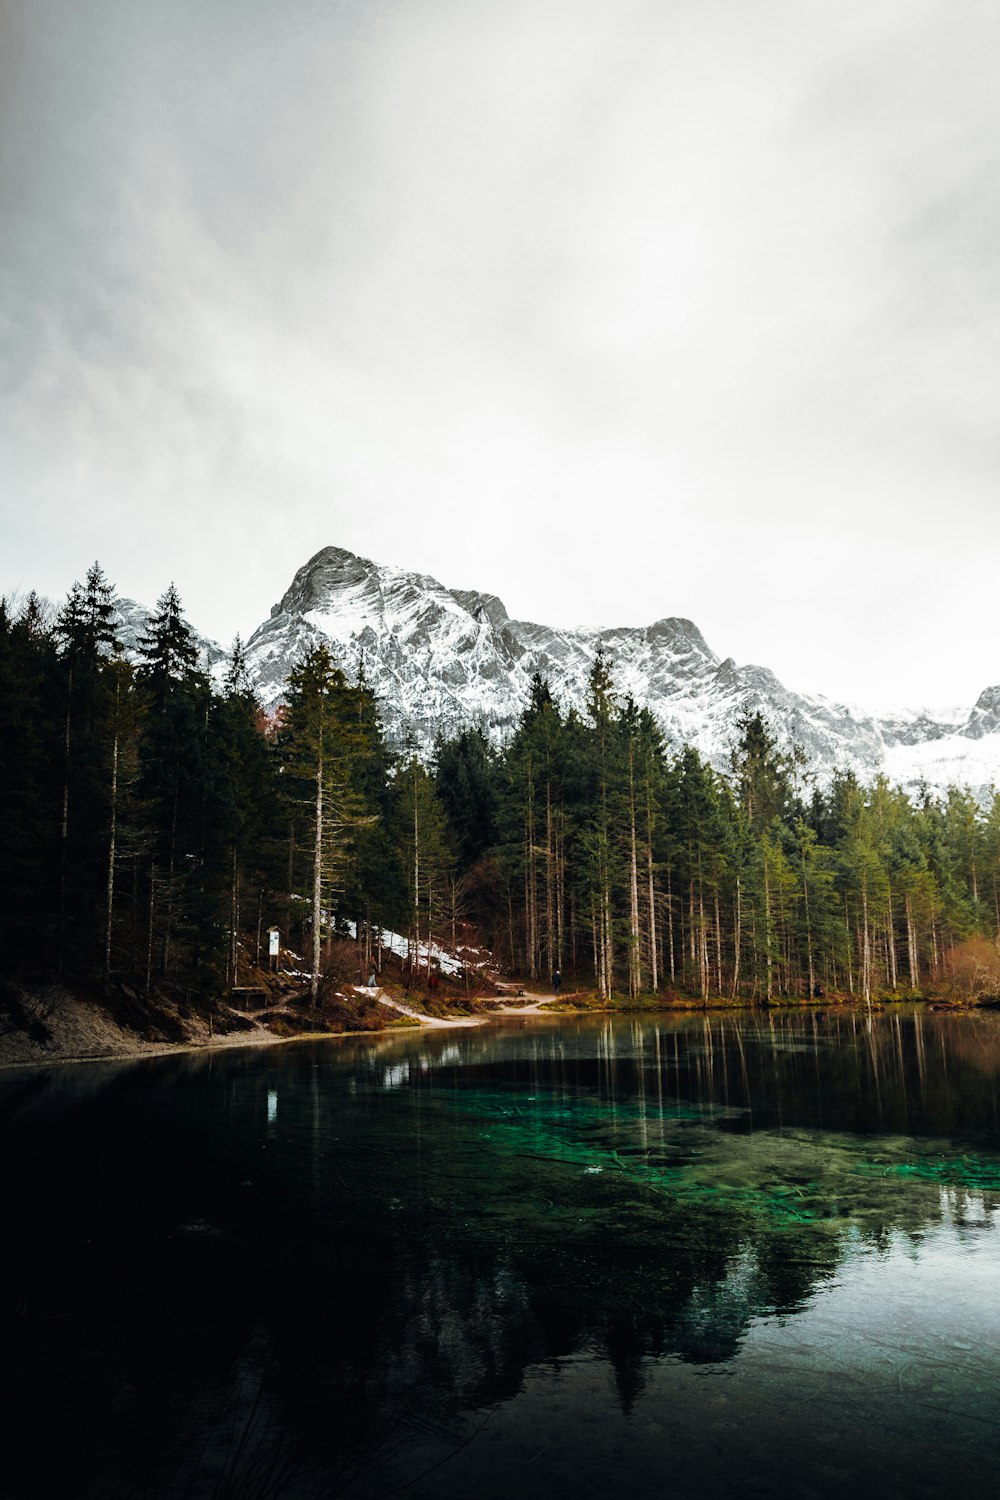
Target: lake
679,1255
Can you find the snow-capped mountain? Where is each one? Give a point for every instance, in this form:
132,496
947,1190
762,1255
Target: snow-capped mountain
440,658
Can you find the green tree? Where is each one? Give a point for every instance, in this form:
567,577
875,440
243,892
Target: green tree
30,773
90,668
320,742
421,837
175,698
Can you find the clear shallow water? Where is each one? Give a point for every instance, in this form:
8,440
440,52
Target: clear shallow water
670,1257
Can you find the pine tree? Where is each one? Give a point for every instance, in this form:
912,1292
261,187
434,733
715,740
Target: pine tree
598,833
243,824
87,632
30,775
321,739
421,836
467,779
176,697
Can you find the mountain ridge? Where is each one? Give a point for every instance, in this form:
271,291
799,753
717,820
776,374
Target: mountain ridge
440,658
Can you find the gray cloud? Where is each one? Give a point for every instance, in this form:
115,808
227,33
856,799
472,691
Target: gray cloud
616,311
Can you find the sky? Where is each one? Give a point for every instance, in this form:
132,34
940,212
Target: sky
618,311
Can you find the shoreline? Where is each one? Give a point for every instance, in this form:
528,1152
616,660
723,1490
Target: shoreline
226,1042
230,1041
544,1006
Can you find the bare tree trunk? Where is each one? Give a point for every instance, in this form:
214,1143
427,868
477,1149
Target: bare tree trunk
911,946
531,890
634,965
169,922
111,840
935,956
670,928
234,920
809,946
133,957
572,932
890,940
768,956
432,912
527,901
653,964
149,930
703,969
317,892
64,828
866,951
718,945
415,957
754,950
598,966
560,891
550,925
609,944
737,937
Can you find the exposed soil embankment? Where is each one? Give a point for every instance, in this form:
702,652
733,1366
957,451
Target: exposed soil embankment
49,1023
43,1024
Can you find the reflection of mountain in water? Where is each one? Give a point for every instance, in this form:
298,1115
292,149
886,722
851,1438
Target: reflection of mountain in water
328,1247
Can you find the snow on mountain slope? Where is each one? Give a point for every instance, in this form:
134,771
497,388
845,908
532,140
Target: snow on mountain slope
433,663
441,658
964,759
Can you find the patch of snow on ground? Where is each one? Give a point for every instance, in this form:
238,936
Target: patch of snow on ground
400,946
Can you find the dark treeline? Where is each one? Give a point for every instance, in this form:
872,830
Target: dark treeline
606,856
152,826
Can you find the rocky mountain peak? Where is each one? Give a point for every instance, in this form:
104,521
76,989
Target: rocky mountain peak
329,571
682,635
985,716
483,606
440,659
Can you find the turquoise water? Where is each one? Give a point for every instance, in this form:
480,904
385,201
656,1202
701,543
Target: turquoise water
675,1256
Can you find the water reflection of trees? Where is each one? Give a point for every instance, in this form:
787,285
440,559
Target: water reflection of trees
357,1259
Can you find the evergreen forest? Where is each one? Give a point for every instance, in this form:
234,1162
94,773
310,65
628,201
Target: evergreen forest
154,826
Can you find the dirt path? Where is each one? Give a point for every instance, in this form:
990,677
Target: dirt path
532,1006
418,1015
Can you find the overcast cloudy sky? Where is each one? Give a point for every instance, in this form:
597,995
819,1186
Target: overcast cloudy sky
618,310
